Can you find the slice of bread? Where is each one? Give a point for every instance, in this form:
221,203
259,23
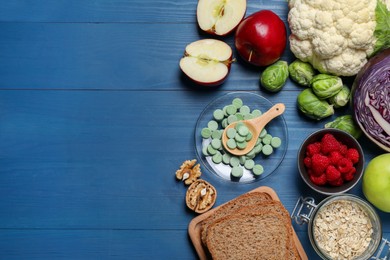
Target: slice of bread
252,203
276,208
232,206
249,235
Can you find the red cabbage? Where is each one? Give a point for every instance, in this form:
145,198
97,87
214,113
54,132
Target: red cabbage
371,99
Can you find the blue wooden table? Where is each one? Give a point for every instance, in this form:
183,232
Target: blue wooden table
96,117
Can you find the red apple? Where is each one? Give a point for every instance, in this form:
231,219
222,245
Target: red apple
220,17
207,62
261,38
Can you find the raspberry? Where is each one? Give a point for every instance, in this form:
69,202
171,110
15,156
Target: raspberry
334,157
350,174
313,149
337,182
318,180
343,149
329,143
319,163
353,155
307,162
332,174
344,165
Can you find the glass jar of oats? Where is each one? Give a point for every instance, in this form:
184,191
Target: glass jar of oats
342,227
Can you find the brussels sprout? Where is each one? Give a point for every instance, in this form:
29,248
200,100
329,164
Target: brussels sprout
312,106
274,76
341,98
326,86
347,124
301,72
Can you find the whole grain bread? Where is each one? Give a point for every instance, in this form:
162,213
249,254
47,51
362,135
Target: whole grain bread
277,209
249,235
253,203
232,206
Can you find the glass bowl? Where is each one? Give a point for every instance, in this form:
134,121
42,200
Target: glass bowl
277,128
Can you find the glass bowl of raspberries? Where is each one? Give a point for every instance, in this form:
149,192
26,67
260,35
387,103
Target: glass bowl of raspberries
331,161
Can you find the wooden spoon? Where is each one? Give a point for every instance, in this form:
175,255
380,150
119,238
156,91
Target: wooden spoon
255,125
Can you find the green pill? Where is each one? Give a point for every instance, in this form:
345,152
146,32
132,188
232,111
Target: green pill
226,158
204,150
242,145
231,143
243,131
249,164
231,110
231,119
238,125
257,169
252,153
217,158
224,123
239,116
237,102
276,142
211,150
267,149
239,138
218,114
248,116
216,143
237,171
206,132
213,125
263,133
249,136
216,134
256,113
242,159
245,110
231,133
258,148
267,139
234,161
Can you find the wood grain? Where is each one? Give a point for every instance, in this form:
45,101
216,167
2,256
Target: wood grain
95,118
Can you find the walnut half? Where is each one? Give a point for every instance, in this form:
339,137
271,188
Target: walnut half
189,172
201,196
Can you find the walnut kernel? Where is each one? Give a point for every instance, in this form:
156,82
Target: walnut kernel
201,196
189,172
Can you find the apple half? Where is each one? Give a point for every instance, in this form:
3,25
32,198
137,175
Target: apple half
220,17
207,62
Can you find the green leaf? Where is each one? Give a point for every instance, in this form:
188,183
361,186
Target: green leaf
382,29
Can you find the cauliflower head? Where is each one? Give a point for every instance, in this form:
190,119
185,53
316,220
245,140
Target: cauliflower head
338,36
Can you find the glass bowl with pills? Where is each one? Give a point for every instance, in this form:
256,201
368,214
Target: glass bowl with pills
234,108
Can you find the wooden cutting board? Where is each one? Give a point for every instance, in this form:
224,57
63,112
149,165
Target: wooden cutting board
194,227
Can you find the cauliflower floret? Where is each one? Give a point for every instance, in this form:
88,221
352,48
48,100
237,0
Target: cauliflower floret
335,36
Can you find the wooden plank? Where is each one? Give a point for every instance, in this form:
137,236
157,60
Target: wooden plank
106,56
134,11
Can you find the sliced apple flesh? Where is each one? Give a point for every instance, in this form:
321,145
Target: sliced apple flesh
220,17
207,62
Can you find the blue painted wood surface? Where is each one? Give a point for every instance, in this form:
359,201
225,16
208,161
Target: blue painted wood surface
96,117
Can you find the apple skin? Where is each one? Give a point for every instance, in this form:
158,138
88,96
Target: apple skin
261,38
376,182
